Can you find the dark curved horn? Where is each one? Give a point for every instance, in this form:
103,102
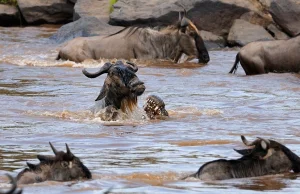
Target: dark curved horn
103,69
246,142
244,152
68,150
132,66
53,149
14,184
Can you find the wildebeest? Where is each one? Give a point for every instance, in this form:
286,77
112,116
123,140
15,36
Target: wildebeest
140,43
155,107
61,167
120,89
13,189
278,56
264,157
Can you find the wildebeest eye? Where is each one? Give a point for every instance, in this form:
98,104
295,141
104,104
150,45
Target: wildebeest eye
64,164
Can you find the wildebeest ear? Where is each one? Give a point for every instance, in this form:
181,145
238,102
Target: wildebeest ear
244,152
102,92
31,166
132,66
265,143
104,69
184,23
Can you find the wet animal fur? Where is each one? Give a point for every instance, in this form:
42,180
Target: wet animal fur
140,43
277,56
264,157
61,167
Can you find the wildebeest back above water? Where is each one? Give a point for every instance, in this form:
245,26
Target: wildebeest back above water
61,167
140,43
264,157
278,56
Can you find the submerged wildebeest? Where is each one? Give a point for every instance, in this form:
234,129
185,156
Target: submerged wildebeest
13,189
61,167
278,56
140,43
121,89
264,157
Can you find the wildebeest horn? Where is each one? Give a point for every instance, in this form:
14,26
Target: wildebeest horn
68,150
103,69
53,149
14,185
45,158
132,66
244,152
246,142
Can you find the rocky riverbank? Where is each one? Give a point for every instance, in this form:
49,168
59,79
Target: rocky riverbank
222,22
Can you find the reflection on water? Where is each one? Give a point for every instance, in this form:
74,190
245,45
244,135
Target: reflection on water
262,184
45,100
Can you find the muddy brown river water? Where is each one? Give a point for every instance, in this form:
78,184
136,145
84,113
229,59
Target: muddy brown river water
45,100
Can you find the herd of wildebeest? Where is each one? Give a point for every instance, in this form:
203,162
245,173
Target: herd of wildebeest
122,87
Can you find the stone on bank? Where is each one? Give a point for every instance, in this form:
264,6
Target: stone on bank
42,11
243,32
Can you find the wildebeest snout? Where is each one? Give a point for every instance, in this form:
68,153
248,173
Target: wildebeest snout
137,87
204,57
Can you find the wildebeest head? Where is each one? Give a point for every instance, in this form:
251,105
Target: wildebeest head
13,189
258,149
121,86
64,166
265,148
190,41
